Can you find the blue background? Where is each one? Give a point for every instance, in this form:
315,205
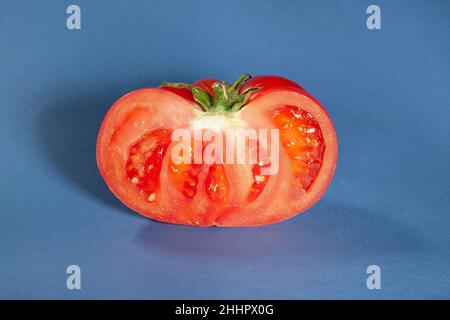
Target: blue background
387,91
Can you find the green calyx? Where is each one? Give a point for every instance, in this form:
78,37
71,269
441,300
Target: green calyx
226,96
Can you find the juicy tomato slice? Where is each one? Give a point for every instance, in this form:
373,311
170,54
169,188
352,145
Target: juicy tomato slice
134,155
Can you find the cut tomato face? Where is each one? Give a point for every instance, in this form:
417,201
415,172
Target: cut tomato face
250,153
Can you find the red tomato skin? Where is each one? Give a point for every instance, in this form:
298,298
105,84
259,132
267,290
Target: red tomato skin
269,82
266,83
206,84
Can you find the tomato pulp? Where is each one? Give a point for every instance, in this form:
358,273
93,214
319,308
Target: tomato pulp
175,153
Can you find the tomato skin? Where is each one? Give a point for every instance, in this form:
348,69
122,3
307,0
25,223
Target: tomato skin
266,83
206,84
222,195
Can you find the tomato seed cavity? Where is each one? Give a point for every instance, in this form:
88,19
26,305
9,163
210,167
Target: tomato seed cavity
144,162
301,136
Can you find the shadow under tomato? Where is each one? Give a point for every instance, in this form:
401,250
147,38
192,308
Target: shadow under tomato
327,231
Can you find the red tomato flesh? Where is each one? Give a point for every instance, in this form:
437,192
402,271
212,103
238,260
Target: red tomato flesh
135,146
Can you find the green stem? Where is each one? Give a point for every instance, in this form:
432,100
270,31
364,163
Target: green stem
240,81
226,97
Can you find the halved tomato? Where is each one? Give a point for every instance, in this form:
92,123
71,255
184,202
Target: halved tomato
173,153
